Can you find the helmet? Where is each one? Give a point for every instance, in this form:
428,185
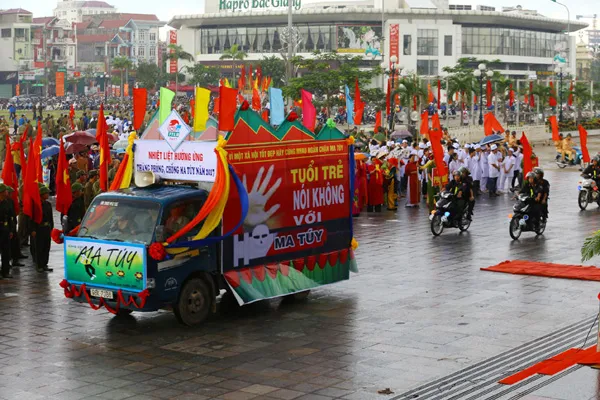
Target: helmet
464,170
530,175
596,158
538,171
456,172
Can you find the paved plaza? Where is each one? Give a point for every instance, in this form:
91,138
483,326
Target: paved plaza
419,318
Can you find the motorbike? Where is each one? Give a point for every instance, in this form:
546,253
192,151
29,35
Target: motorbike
521,220
577,161
442,217
588,192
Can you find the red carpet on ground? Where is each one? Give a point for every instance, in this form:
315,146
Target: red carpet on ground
520,267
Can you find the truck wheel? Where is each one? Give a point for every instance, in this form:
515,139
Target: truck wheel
297,297
194,302
123,312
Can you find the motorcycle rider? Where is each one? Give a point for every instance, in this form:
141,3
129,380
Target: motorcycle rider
544,191
457,187
567,149
532,188
468,189
593,170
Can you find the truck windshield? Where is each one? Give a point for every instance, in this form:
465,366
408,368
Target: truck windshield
120,220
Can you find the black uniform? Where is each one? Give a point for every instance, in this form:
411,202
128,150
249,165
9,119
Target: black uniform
15,246
468,187
5,230
41,242
455,188
593,171
544,186
76,213
534,191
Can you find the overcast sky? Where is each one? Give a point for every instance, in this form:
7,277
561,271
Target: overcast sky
166,9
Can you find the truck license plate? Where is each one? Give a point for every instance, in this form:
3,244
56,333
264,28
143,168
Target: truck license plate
107,294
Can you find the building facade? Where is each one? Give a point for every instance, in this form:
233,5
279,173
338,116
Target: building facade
16,50
75,11
424,39
60,48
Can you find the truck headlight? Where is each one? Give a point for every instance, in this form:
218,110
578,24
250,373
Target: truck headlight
150,283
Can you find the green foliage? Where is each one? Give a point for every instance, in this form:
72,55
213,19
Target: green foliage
326,74
175,77
542,91
203,75
148,75
176,52
591,247
274,67
374,97
233,53
408,87
121,63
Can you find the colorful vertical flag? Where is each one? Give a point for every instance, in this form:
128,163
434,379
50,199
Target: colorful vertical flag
435,137
554,127
349,106
166,97
531,95
388,99
424,129
570,99
359,105
491,124
201,109
64,196
511,96
309,114
435,122
72,116
552,101
430,96
9,175
227,108
256,103
140,99
583,141
488,93
439,97
527,154
377,121
242,81
102,139
277,106
32,203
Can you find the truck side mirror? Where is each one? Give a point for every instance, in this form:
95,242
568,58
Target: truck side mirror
160,233
65,222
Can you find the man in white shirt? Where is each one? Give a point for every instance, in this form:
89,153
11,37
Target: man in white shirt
485,169
475,168
494,171
517,170
506,172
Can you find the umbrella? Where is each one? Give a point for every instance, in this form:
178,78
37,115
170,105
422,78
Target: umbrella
380,137
50,151
92,131
80,137
491,139
360,156
112,137
120,144
48,141
401,134
72,148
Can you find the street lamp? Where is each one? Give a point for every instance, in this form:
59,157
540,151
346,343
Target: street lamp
479,73
560,74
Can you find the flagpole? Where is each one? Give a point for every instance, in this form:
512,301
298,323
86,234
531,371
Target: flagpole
290,49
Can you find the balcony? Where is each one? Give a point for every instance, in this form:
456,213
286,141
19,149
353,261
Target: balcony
60,41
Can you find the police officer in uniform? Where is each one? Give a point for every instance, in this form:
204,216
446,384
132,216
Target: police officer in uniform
593,170
5,232
77,209
40,233
15,247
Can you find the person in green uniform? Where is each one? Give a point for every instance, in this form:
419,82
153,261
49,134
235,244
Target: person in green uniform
88,192
22,222
15,247
40,233
73,170
77,209
5,233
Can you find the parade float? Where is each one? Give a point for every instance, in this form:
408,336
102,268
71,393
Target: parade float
262,212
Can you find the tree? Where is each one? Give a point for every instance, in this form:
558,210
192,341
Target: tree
176,52
203,75
148,75
591,247
89,73
407,89
581,97
122,64
233,53
543,95
501,85
274,67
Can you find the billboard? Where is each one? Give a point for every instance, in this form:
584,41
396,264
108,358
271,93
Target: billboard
364,39
9,77
172,63
394,40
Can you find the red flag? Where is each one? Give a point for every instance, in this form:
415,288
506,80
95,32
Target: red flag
71,116
474,99
240,98
388,99
265,115
140,99
227,108
491,124
309,114
242,78
193,105
583,141
435,122
102,139
424,129
570,100
488,93
554,127
259,74
24,135
414,103
377,121
552,101
511,96
527,154
216,106
430,97
359,105
64,196
435,137
9,175
256,104
439,98
32,203
531,95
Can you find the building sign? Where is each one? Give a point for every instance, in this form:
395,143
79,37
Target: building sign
172,63
394,40
9,77
105,264
192,161
249,5
359,39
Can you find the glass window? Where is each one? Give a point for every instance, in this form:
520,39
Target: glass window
407,45
427,42
142,35
141,52
153,37
447,45
178,215
427,67
5,33
120,220
152,51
